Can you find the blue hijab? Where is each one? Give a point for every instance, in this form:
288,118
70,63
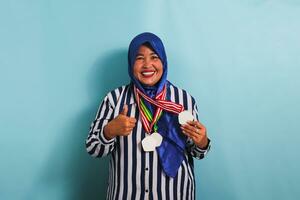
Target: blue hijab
171,151
157,45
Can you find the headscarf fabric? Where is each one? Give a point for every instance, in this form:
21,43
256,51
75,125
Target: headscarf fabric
158,47
171,150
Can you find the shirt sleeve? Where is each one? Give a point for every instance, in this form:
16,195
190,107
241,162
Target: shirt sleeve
192,148
196,151
96,144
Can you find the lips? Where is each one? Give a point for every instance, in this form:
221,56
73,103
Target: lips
148,74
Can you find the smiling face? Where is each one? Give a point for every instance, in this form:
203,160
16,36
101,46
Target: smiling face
148,67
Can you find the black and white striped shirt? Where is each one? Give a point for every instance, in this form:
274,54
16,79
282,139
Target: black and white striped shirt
134,173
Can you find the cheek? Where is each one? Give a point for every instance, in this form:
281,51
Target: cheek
160,71
135,70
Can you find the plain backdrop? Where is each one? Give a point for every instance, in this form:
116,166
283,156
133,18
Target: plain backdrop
238,58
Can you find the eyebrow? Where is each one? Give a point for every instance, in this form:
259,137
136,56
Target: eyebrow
139,54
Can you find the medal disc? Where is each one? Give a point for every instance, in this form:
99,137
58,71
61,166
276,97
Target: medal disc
148,143
157,138
185,116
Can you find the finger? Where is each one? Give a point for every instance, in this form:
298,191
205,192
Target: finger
130,126
126,123
197,125
125,130
128,131
189,127
186,133
132,120
190,133
125,110
200,125
194,132
194,137
125,133
192,123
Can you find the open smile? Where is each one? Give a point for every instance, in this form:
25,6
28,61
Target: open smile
147,74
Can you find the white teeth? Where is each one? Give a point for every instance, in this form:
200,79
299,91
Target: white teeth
148,73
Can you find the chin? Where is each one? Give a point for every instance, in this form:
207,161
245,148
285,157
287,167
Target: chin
146,83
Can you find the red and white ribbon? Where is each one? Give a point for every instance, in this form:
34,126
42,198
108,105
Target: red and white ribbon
161,103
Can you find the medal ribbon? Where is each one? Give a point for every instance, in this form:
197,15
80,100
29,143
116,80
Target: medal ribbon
148,115
162,104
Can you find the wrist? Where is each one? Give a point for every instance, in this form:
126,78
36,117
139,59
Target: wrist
204,144
107,132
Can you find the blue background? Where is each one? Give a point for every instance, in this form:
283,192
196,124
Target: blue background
238,58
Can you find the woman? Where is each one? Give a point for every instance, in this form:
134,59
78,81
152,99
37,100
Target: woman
138,125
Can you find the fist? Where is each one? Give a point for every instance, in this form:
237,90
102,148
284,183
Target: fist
122,125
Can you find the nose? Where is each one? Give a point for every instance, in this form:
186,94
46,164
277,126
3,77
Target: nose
147,62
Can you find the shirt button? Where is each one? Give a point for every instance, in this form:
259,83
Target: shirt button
146,168
146,190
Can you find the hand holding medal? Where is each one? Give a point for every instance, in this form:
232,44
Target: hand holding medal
193,129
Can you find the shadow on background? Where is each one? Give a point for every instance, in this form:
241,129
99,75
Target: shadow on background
69,165
107,74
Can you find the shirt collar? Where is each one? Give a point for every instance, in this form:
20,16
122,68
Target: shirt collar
130,96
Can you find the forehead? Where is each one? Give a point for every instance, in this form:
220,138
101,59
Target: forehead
143,49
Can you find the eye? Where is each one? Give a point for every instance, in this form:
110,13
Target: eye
154,57
139,58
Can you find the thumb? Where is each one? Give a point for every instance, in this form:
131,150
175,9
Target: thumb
125,110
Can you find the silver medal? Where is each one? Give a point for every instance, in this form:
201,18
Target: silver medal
184,117
149,143
158,138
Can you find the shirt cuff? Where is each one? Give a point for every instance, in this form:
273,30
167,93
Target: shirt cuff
205,149
102,137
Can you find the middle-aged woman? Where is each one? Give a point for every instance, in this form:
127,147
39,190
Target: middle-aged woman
150,128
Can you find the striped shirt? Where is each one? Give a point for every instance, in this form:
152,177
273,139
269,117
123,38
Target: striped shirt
133,173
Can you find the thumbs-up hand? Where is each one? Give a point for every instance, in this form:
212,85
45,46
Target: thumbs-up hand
125,110
122,125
